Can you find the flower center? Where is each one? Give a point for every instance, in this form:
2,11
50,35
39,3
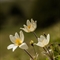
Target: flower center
18,42
29,26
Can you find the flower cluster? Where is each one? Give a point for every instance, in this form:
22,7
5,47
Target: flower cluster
42,41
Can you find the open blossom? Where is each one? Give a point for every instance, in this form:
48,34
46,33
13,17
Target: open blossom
17,41
30,27
43,40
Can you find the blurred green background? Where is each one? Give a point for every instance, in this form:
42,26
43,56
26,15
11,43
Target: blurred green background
14,13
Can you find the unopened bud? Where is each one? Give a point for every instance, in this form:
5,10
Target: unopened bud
32,43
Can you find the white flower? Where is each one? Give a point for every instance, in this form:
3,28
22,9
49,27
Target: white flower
30,27
43,41
17,41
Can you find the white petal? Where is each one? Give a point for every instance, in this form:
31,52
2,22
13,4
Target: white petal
34,23
14,48
16,35
12,38
10,46
48,38
40,44
41,38
45,42
24,29
21,36
23,46
32,29
28,22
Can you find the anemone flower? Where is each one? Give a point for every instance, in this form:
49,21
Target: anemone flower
18,41
30,27
43,40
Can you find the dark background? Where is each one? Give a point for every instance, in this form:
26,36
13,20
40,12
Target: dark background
46,12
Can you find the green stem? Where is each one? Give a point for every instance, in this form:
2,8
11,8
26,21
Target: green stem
35,35
29,54
48,54
34,50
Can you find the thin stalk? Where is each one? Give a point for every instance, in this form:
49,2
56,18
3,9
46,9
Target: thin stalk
34,50
29,54
35,35
50,56
44,49
46,52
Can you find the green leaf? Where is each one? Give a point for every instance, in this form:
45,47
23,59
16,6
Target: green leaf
57,58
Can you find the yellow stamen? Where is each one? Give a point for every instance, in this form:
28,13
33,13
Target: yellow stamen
29,26
18,42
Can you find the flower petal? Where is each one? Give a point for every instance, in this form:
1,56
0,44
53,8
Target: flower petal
32,28
12,38
28,30
41,38
34,23
16,35
48,38
40,44
28,22
14,48
10,46
21,36
23,46
24,29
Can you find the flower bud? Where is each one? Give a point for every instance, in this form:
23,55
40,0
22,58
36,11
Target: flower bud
32,43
